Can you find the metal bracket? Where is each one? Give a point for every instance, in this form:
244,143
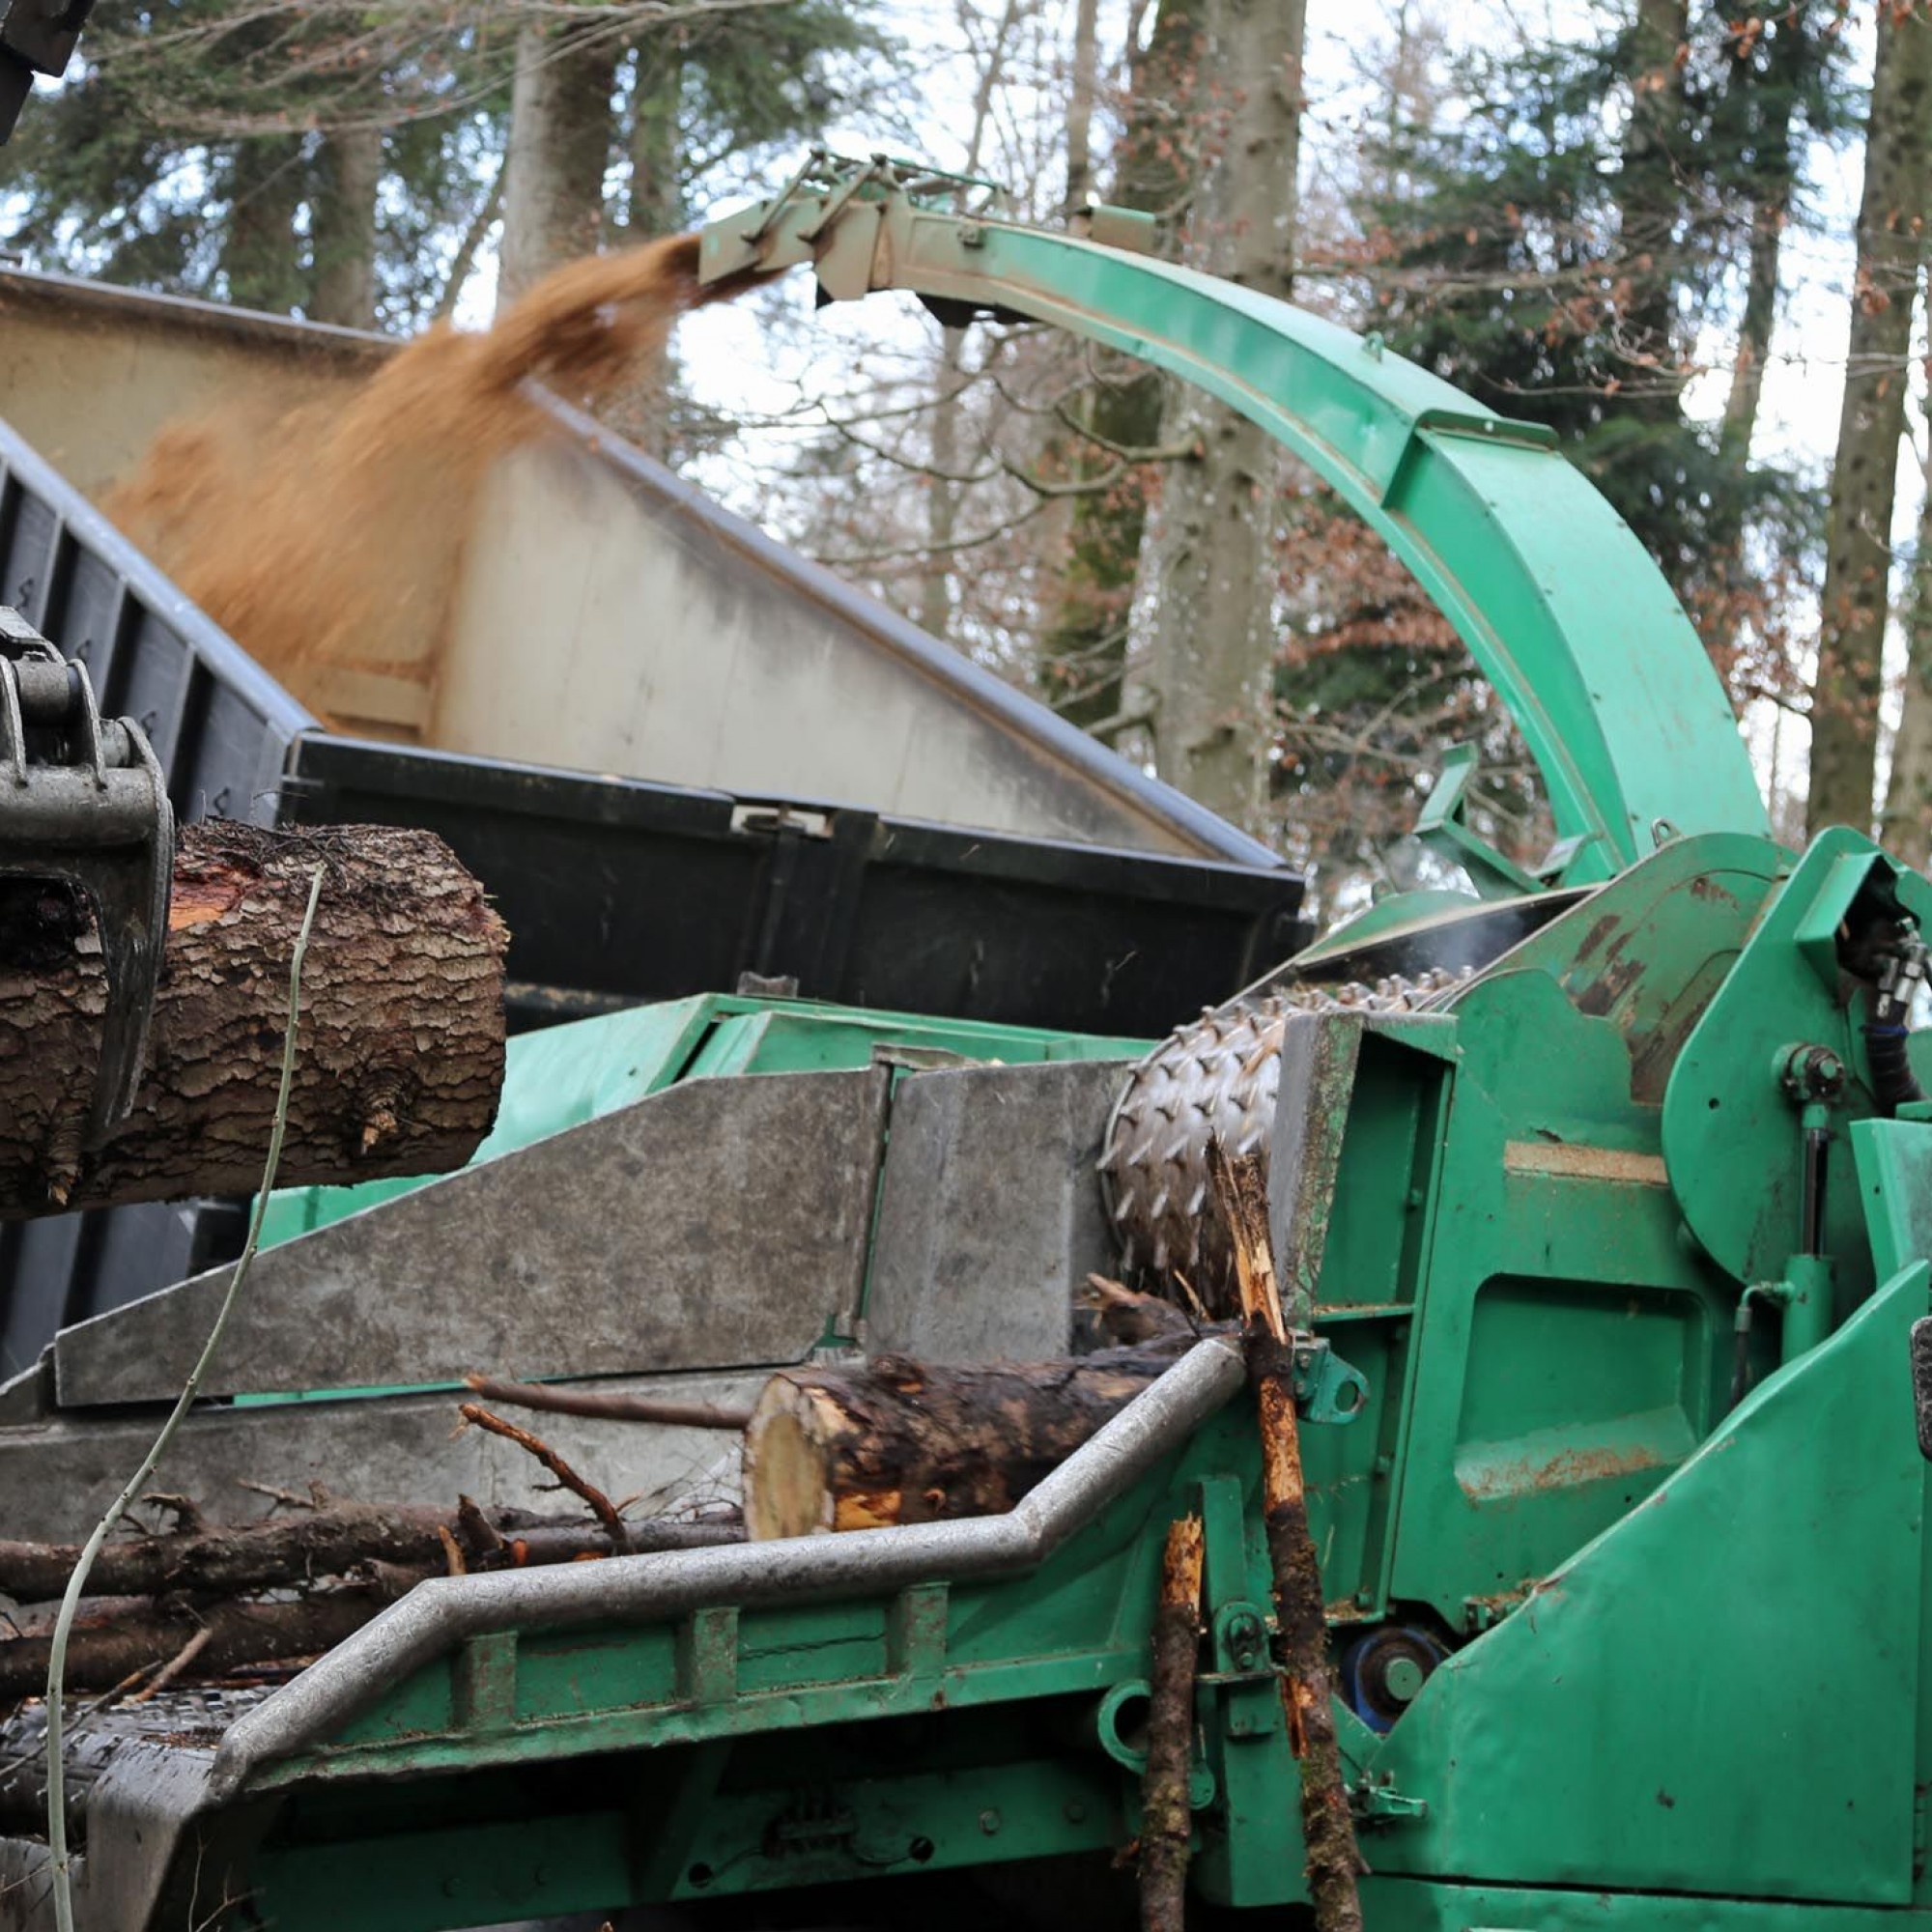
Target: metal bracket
1326,1388
1440,825
1377,1802
83,800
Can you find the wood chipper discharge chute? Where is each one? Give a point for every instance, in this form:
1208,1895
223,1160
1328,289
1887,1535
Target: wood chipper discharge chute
1600,1209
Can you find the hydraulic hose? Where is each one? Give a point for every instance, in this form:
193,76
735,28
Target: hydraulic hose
1893,1083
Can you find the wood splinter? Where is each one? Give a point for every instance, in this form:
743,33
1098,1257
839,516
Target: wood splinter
1167,1821
1328,1828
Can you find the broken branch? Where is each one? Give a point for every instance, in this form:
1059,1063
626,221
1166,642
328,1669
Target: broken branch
601,1505
669,1411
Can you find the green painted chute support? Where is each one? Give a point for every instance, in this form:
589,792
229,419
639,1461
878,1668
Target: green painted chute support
1557,600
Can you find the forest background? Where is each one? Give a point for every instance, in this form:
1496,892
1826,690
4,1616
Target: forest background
1693,239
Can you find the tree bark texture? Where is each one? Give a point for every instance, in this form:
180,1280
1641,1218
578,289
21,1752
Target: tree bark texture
560,141
1083,89
1212,647
400,1057
1908,800
1650,199
1776,176
1083,659
895,1440
1308,1690
112,1645
1857,544
223,1560
1167,1818
349,175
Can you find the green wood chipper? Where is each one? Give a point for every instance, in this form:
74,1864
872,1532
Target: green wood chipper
1601,1200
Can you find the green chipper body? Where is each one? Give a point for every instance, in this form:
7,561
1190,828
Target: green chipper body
1625,1233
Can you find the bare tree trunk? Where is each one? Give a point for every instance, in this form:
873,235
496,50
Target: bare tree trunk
942,492
1167,1818
1777,175
334,1539
1908,799
259,262
642,407
1857,551
400,1060
1083,658
657,191
1649,201
1212,641
560,136
343,222
1086,83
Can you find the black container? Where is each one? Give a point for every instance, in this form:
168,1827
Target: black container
615,891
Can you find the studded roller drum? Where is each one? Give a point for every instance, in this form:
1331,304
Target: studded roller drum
1216,1075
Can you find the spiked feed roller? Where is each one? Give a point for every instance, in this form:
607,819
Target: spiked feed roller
1216,1076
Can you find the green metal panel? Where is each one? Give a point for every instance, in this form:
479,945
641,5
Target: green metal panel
1409,1905
564,1075
1720,1694
1726,1112
896,1724
1566,1344
1556,598
556,1078
1894,1164
1694,1693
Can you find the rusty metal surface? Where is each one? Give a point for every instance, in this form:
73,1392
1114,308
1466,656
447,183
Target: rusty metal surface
953,1282
718,1223
1319,1054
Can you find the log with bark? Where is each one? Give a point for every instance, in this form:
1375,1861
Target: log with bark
1167,1816
894,1441
284,1587
1333,1858
226,1560
401,1052
114,1642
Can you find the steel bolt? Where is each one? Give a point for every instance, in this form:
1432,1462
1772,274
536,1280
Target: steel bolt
1075,1812
1245,1637
990,1822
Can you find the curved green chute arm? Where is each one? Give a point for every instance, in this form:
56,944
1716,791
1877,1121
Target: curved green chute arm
1550,590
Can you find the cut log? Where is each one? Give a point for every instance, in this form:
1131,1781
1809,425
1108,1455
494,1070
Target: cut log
108,1648
226,1560
894,1441
401,1054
